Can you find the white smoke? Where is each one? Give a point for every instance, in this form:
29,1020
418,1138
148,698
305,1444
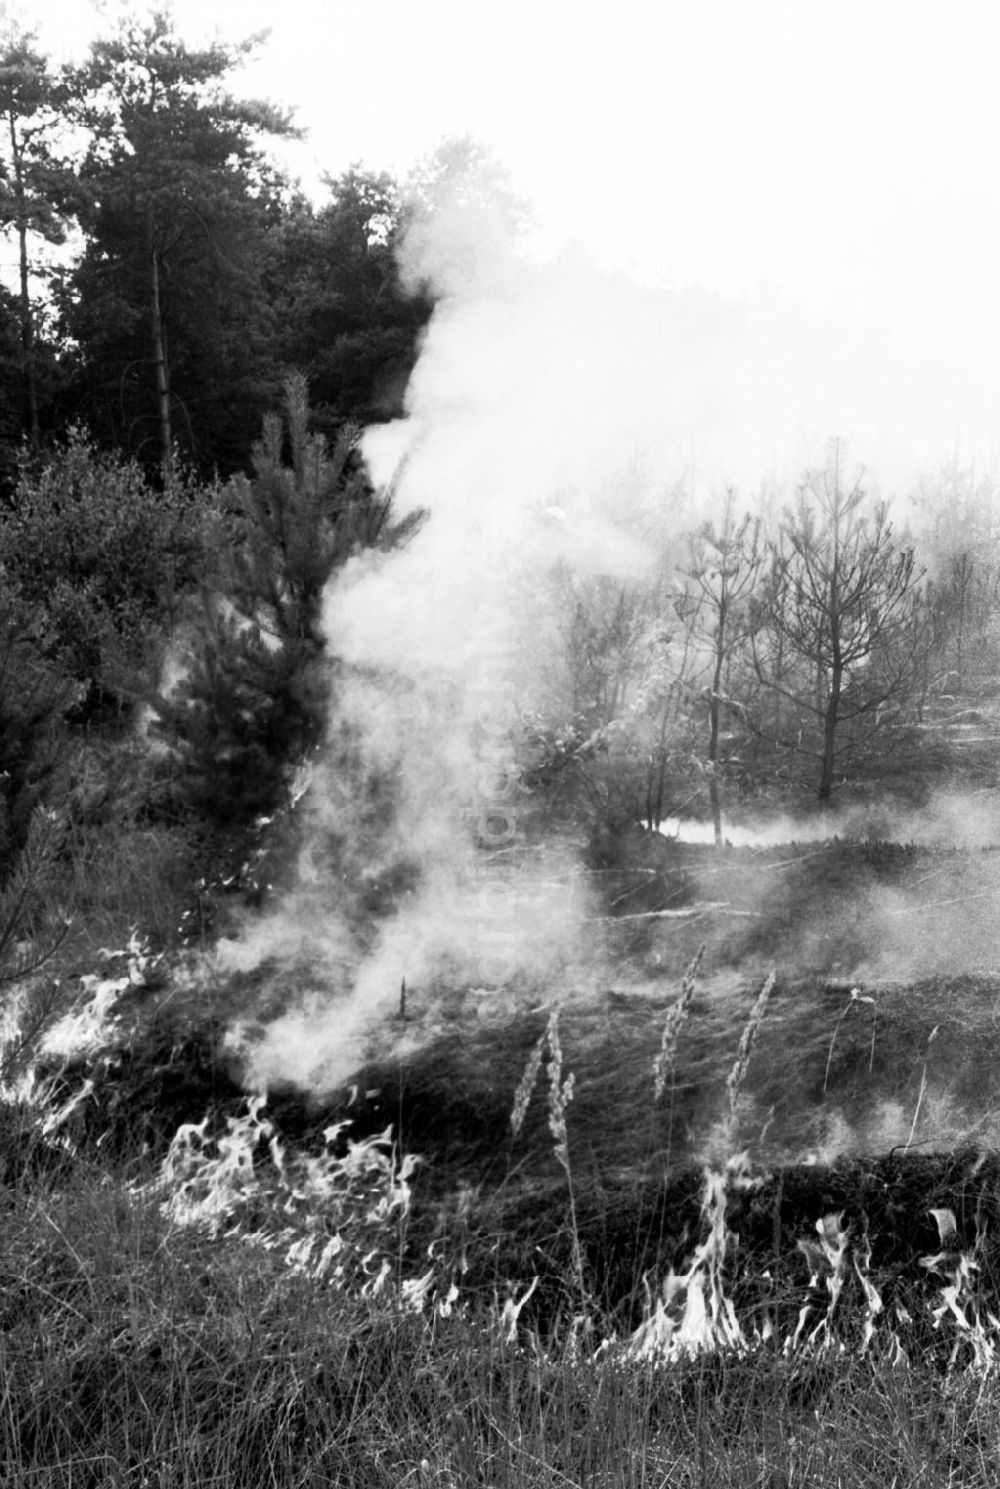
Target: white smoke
558,415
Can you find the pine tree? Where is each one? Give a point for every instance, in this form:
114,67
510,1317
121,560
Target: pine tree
166,306
37,203
341,312
255,678
840,605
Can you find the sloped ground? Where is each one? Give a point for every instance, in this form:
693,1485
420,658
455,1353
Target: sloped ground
139,1345
861,1047
872,1066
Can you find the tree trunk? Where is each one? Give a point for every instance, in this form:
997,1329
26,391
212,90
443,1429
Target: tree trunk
713,734
28,345
832,619
830,720
160,369
27,319
963,574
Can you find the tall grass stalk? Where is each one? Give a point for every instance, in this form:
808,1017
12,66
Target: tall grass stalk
856,997
923,1085
560,1095
676,1015
738,1074
526,1085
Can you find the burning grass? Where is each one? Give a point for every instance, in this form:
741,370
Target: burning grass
143,1345
601,1291
146,1340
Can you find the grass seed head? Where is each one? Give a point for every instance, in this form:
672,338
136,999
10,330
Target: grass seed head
526,1085
676,1015
560,1092
737,1075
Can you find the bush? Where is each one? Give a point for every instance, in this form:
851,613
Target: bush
33,699
103,558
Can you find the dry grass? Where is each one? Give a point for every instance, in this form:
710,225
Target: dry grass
118,879
137,1352
188,1325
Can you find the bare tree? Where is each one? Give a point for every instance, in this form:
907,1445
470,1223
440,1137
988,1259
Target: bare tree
959,542
615,742
840,601
602,629
723,567
584,741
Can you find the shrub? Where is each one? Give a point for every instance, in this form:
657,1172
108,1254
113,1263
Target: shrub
33,699
103,558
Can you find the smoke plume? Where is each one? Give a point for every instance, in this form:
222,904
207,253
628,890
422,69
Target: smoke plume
560,417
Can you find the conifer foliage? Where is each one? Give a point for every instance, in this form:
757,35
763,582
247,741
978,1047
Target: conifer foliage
255,674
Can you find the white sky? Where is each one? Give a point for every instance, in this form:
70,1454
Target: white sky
843,153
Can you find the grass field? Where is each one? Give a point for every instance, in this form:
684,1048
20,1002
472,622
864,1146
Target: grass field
744,1232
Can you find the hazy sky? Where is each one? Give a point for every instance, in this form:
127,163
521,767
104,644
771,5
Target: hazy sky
843,158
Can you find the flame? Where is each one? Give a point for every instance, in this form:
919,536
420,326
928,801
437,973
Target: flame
693,1313
334,1215
975,1326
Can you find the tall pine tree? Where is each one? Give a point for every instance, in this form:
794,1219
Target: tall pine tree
37,196
167,307
342,314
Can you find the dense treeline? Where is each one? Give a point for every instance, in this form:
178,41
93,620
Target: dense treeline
200,275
